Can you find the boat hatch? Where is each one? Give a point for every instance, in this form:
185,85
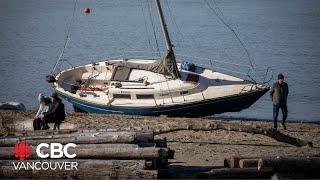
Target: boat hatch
120,73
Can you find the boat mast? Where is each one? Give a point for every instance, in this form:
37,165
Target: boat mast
172,57
164,26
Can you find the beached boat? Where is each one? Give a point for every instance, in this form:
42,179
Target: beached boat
154,87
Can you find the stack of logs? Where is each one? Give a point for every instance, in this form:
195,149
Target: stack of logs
100,154
236,167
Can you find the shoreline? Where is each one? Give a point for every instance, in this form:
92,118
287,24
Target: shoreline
198,145
220,117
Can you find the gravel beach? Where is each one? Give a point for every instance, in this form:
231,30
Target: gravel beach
195,150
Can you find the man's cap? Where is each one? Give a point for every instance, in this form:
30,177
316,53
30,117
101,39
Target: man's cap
280,76
54,95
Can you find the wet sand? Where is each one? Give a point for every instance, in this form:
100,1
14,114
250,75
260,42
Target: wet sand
194,150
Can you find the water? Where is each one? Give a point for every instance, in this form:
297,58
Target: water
283,35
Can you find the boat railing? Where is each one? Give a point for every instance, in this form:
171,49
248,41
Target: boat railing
243,71
247,72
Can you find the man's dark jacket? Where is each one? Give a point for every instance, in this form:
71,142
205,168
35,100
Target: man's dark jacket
57,115
279,93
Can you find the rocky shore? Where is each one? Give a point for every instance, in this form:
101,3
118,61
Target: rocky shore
199,144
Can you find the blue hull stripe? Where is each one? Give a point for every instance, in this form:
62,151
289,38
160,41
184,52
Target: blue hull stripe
92,107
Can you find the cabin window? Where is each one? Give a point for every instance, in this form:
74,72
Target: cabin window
122,96
184,92
145,96
165,94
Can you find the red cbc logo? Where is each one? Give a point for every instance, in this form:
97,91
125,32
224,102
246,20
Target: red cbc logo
22,150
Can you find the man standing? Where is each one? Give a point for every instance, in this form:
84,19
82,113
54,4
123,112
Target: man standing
279,94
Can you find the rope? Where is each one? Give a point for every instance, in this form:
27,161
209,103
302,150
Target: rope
230,28
67,38
60,56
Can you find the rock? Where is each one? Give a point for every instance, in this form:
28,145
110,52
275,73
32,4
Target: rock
12,106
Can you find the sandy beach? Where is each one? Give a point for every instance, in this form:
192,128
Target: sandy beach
195,150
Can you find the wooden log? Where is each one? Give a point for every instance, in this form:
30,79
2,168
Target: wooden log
84,163
248,163
277,135
86,169
83,138
101,151
233,161
77,140
290,164
235,173
43,132
82,133
230,126
144,136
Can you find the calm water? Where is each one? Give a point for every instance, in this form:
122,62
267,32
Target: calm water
283,35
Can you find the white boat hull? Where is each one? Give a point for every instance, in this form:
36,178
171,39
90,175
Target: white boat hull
199,93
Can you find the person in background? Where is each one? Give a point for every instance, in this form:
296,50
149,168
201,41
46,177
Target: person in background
56,115
279,94
44,107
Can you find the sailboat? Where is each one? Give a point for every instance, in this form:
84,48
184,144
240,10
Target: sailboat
153,87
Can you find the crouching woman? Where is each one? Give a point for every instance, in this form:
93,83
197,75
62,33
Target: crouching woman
44,106
56,115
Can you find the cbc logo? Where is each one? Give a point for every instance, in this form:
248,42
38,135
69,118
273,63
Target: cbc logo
23,151
57,150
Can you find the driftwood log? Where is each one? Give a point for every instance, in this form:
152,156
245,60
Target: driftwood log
233,161
102,151
83,138
201,126
86,169
235,173
290,164
248,163
230,126
86,163
42,132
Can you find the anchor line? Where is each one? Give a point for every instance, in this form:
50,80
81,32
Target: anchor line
232,30
67,39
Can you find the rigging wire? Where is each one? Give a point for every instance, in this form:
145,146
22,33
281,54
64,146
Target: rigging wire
66,39
153,27
145,25
175,26
230,28
176,33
